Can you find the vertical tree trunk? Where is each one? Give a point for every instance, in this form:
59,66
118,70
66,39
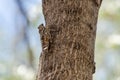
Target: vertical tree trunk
68,39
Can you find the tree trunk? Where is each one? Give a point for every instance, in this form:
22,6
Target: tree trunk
68,39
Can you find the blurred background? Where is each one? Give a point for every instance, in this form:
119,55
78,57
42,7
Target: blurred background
20,42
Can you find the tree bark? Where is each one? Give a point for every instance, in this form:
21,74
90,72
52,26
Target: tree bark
68,39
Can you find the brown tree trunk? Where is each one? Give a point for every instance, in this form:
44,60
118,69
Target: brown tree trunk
68,39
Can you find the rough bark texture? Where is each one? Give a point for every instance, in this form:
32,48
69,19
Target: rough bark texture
68,39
